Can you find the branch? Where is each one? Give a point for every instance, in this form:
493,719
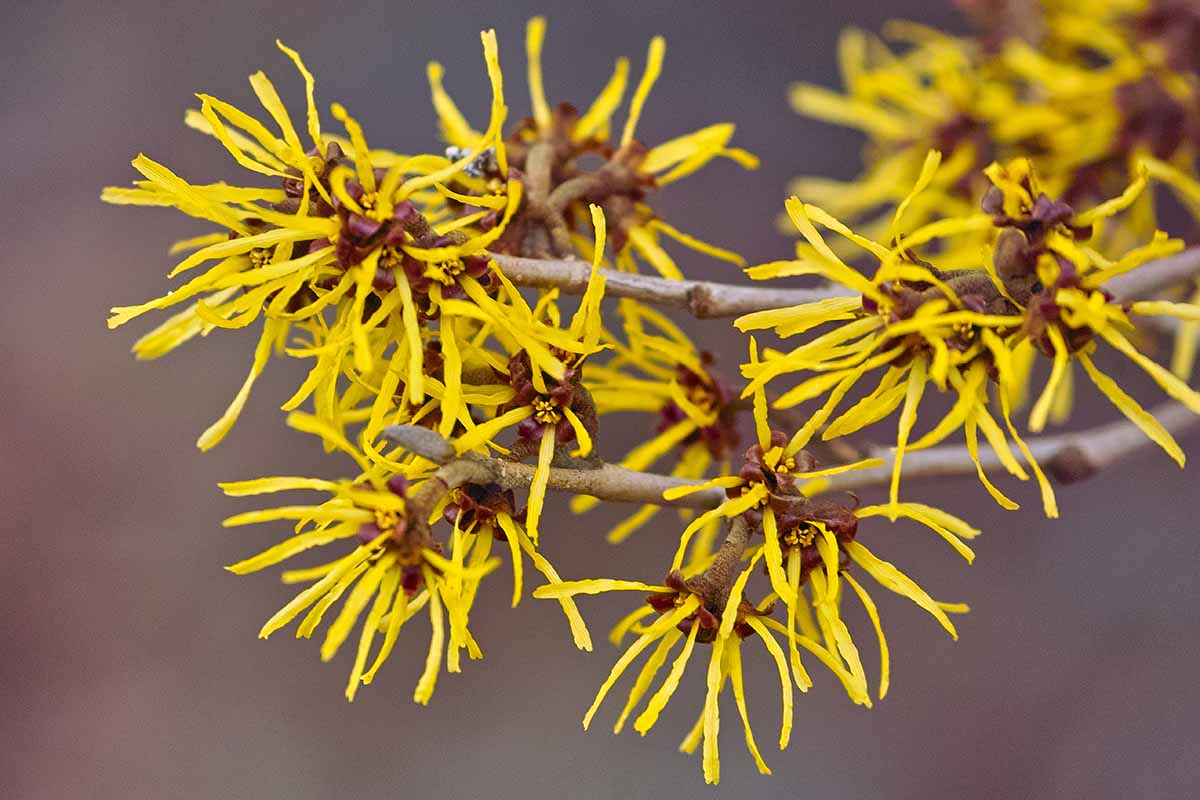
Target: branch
607,482
709,300
1067,457
701,299
1155,275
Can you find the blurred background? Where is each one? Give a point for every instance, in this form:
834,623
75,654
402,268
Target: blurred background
129,665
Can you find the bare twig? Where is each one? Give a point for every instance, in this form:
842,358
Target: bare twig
708,299
1067,457
701,299
1156,275
608,482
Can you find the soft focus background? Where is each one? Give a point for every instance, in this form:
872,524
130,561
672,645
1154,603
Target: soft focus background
129,666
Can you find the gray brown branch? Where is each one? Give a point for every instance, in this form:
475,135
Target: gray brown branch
1067,457
709,299
701,299
1154,276
607,482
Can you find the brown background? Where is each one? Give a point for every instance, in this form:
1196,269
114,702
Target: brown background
128,660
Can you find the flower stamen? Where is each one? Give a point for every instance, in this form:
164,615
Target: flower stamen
546,410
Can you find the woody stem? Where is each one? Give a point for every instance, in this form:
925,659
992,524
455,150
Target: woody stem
1067,457
448,477
607,482
1153,276
715,582
701,299
710,300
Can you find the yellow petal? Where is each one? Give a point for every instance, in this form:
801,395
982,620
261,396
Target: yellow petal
1133,411
307,597
891,578
433,659
1172,385
774,557
1187,311
653,632
715,679
734,654
293,546
324,513
785,683
537,487
972,439
658,701
271,331
387,591
579,631
1049,502
873,613
486,431
932,159
908,417
396,619
654,60
593,586
803,681
535,32
723,481
268,485
1041,409
355,603
597,117
454,127
816,101
649,670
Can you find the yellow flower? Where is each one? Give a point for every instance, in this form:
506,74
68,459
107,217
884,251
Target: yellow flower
396,568
376,269
933,94
811,543
1088,92
342,234
690,616
1058,282
962,329
548,148
1187,341
486,510
806,537
1123,83
918,324
658,370
706,605
548,400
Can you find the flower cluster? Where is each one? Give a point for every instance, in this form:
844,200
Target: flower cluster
973,323
458,392
1094,97
808,544
376,269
